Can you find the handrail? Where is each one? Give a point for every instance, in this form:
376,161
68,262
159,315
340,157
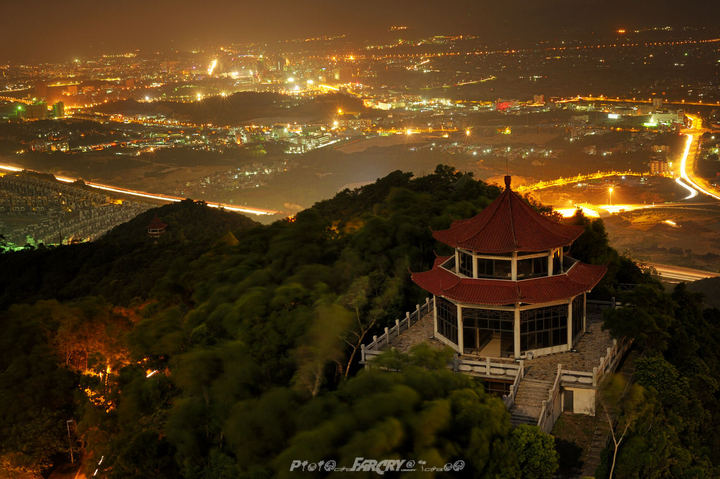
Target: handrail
552,395
609,361
378,342
509,400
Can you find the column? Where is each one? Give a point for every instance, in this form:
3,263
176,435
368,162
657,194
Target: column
569,326
516,332
461,347
475,271
584,312
513,266
550,263
457,261
435,330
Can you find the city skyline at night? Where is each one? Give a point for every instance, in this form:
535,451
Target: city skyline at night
293,238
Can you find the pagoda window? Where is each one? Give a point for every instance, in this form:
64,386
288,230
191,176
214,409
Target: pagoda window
447,319
485,267
543,327
466,264
557,264
577,315
532,267
489,319
494,268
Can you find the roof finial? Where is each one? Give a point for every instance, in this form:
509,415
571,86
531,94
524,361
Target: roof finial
507,182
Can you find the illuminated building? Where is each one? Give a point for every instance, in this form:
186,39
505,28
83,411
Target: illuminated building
58,110
510,289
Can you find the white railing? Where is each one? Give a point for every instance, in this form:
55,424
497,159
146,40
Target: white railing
609,362
488,367
552,406
509,399
569,377
383,341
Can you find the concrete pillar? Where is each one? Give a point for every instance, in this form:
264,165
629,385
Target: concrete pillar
513,266
569,326
584,312
461,347
550,263
516,333
560,255
475,271
457,261
435,330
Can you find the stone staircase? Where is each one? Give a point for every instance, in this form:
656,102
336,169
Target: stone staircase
528,401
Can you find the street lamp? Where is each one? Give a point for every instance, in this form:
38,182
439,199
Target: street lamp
610,192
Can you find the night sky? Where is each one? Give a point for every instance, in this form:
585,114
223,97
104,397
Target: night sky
32,30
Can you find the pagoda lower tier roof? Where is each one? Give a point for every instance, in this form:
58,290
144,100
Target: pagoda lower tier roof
578,279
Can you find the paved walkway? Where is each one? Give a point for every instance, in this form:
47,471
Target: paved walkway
590,348
422,331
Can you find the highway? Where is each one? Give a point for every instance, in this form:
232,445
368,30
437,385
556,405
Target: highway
152,196
689,156
679,273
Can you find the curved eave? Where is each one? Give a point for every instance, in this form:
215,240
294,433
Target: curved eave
508,224
500,247
579,279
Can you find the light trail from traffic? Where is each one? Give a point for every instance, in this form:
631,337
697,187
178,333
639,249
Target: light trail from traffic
687,162
684,180
152,196
679,273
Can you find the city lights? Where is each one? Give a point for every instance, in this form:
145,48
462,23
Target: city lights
212,66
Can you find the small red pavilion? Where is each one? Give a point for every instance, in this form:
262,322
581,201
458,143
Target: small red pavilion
510,289
156,228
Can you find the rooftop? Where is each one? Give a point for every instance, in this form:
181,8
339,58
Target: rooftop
579,278
508,224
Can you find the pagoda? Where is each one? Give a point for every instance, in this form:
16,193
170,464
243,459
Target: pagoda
156,228
510,289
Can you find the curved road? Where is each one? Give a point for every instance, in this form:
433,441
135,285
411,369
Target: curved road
152,196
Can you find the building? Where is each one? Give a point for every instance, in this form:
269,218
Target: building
659,167
513,306
509,289
156,228
58,110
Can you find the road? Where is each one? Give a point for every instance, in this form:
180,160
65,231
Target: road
153,196
689,157
679,273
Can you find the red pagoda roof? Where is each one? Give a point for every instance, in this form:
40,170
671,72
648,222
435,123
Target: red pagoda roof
157,224
439,281
508,224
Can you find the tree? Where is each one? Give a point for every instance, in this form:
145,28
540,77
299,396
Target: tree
320,346
536,452
622,404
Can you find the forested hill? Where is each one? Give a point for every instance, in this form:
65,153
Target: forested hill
122,266
243,106
228,349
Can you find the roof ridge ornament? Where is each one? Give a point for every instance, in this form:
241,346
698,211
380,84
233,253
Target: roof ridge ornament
507,181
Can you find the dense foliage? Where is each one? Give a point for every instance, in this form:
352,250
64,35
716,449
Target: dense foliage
674,433
229,349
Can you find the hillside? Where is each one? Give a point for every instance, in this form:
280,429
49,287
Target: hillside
710,289
242,107
228,348
122,265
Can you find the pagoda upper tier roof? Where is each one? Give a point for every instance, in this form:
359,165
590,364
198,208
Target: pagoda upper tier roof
508,224
578,279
